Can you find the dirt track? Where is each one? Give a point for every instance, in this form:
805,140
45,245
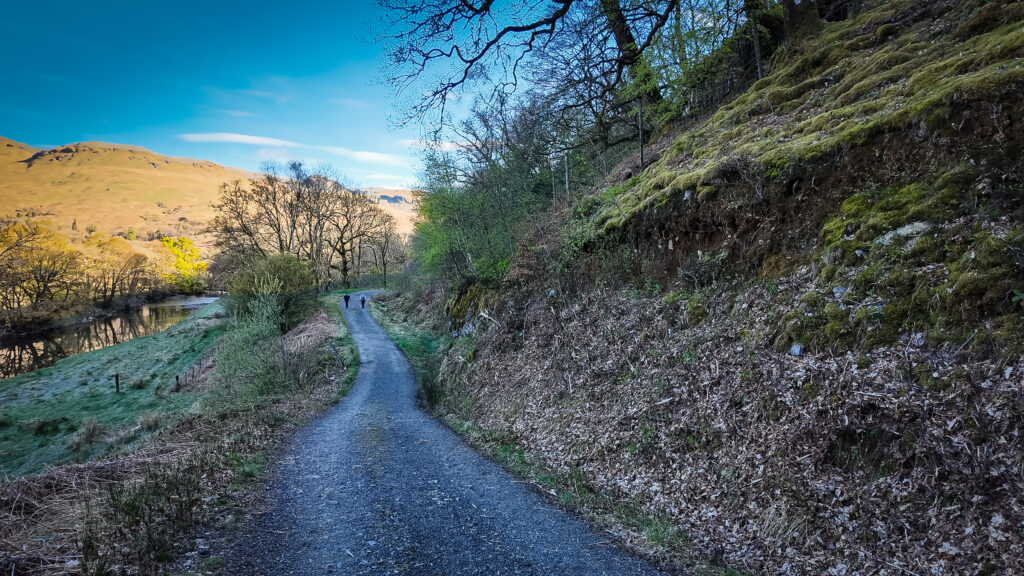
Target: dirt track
377,486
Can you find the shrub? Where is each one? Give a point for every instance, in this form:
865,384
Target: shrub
150,421
149,514
245,358
89,433
289,279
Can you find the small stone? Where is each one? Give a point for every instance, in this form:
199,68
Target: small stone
1007,372
552,293
912,230
796,350
838,291
917,340
860,253
909,231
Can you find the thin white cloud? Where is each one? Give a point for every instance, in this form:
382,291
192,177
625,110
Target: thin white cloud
285,155
239,139
352,103
240,113
365,156
266,95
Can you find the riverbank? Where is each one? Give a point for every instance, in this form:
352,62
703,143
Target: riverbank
23,354
138,509
72,410
86,313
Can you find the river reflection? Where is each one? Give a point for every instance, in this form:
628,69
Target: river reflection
41,350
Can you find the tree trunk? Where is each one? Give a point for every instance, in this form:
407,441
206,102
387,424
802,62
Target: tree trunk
753,10
800,18
629,51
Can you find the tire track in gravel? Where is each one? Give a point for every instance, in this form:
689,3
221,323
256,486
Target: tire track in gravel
377,486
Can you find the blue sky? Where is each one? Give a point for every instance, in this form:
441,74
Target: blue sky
235,82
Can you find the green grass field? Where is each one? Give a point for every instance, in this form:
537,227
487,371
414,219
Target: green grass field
71,412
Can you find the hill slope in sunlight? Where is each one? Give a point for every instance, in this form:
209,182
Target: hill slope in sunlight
116,187
113,187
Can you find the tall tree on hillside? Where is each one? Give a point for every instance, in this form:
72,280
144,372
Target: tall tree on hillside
388,247
801,18
485,40
753,10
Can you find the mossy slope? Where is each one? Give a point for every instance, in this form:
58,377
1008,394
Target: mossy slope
891,145
896,68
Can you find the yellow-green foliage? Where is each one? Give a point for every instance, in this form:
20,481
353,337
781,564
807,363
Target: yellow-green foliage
865,76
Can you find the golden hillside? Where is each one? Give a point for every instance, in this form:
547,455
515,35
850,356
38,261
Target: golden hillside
398,203
115,187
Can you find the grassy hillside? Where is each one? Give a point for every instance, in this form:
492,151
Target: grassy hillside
43,411
400,204
115,187
112,187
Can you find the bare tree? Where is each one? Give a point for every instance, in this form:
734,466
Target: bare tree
308,213
388,247
357,222
16,235
484,41
262,217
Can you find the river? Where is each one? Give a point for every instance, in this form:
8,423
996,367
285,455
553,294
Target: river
20,354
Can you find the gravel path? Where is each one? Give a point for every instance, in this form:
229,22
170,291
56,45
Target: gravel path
376,486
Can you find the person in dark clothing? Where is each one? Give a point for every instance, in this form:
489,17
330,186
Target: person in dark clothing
346,300
362,301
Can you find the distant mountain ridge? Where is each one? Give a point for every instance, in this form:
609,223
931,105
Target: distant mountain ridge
116,187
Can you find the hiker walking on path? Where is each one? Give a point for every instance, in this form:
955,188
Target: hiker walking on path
362,301
346,300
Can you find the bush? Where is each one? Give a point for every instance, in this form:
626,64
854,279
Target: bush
89,433
148,515
289,279
150,421
252,364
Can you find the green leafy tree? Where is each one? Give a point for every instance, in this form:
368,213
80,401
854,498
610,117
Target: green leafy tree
189,269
